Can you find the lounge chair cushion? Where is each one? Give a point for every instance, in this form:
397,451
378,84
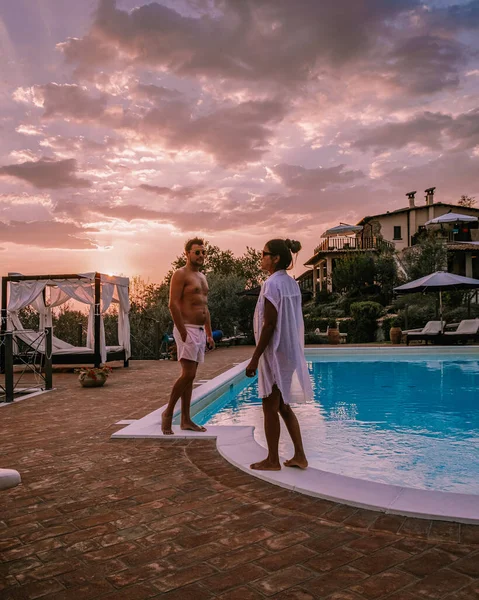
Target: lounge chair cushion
431,328
465,327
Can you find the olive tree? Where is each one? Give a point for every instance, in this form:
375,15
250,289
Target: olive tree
428,256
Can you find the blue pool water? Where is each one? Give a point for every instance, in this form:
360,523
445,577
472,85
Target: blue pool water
410,420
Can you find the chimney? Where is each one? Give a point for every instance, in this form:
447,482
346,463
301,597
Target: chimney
430,196
411,195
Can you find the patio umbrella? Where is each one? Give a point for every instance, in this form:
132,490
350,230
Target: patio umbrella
342,229
452,218
440,281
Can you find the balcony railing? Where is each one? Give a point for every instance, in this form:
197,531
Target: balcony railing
448,236
335,244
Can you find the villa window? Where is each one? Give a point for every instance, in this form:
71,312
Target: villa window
397,232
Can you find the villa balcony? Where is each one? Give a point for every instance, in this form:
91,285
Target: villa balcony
345,244
449,236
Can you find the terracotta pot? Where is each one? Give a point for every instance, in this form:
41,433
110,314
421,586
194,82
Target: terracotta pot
333,336
395,335
87,381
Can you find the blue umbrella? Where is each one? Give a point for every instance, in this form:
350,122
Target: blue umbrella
342,229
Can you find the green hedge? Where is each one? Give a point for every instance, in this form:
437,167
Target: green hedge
365,315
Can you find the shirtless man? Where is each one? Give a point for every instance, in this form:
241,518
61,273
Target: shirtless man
192,331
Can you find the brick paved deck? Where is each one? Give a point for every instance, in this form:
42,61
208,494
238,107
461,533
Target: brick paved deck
135,519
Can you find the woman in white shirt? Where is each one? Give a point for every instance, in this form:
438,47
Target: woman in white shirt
283,375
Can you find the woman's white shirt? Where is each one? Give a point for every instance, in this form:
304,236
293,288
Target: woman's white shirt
283,363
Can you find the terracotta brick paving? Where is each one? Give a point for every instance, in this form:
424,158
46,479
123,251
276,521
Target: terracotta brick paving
135,519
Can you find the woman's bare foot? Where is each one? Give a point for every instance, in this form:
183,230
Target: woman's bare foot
266,465
166,424
297,461
191,426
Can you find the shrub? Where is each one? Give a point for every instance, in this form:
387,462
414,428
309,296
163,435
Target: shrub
386,326
418,316
312,322
323,296
456,315
332,311
346,326
366,310
365,315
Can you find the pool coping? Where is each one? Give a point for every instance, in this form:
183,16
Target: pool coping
237,445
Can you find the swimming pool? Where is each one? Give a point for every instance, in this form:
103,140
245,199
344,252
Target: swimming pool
402,418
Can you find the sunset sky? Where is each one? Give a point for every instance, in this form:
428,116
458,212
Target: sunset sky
127,127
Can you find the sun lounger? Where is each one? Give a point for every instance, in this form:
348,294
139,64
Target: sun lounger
63,353
467,330
342,336
430,332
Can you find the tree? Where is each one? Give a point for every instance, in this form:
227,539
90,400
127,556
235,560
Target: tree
149,317
428,256
66,325
467,201
353,274
248,267
227,275
224,262
386,275
223,301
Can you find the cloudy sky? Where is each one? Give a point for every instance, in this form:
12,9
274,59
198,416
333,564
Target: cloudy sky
127,127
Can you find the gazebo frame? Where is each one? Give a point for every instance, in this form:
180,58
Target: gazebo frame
65,359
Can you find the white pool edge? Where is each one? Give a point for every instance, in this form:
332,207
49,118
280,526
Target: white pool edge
237,445
26,397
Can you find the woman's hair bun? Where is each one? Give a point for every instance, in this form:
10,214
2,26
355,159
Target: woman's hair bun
293,245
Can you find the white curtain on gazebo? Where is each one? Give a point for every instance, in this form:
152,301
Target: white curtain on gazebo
124,319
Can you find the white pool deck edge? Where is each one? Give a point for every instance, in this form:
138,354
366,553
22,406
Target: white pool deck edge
26,397
237,445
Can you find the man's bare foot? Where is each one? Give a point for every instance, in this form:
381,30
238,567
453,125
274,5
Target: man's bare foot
266,465
191,426
166,424
297,461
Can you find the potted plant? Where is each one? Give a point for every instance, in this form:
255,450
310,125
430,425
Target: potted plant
333,332
395,332
93,376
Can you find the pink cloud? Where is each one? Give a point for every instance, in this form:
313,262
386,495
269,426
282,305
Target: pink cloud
182,193
70,101
255,40
46,173
430,130
424,64
302,179
233,134
47,234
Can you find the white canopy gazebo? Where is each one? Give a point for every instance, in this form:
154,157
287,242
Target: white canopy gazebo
94,289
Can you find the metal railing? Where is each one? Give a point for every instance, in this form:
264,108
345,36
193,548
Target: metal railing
447,236
40,365
334,244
